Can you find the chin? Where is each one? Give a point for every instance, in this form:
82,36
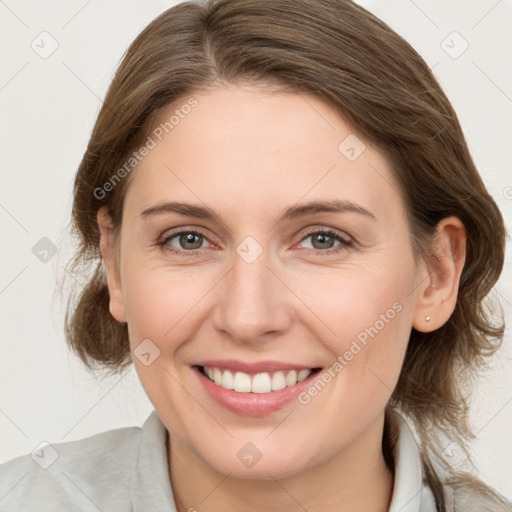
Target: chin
261,470
259,461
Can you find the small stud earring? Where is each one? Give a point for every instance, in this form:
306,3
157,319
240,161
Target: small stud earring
427,318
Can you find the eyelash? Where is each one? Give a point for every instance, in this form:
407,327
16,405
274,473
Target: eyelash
344,243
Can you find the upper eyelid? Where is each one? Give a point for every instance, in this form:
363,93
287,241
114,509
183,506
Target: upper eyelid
171,234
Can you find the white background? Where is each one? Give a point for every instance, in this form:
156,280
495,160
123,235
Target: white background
48,107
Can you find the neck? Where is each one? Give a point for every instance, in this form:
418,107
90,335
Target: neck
357,478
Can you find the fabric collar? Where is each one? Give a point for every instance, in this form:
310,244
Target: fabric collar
151,485
409,482
151,488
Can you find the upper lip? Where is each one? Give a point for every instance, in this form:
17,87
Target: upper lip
252,368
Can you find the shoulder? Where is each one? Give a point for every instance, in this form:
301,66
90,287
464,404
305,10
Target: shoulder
463,492
95,469
466,493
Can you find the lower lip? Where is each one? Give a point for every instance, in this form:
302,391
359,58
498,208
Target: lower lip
253,404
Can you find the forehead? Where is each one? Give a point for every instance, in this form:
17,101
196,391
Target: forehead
241,148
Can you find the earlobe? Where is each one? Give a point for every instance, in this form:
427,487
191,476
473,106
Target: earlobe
107,249
438,291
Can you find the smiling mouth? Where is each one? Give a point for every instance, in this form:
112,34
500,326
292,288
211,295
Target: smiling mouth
259,383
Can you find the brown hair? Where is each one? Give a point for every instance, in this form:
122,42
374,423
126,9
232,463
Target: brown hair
344,55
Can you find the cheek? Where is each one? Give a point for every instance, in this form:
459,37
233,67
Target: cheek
369,315
160,308
160,302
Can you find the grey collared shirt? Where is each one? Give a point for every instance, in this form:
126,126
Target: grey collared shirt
126,470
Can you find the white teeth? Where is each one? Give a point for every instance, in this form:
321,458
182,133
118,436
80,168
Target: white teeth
242,382
278,381
303,374
291,378
217,376
259,383
227,380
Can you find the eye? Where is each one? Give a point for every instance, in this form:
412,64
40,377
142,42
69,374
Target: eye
323,241
184,241
189,241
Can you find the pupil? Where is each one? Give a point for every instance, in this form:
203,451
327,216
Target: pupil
324,237
189,238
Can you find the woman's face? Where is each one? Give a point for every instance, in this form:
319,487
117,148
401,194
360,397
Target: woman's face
254,281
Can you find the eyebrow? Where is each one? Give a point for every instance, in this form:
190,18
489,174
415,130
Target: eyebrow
293,212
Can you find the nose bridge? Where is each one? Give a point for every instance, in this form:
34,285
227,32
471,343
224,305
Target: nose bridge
252,301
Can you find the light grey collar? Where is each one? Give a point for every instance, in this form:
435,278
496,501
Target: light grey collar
151,485
151,489
410,492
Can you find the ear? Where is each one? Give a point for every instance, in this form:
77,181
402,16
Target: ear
438,289
116,306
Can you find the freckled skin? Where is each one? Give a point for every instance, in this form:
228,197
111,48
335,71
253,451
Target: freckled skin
249,155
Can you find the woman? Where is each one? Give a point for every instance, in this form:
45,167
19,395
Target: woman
342,243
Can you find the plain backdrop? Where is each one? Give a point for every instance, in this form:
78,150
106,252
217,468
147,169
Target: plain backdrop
57,60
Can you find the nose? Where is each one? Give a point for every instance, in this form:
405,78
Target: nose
252,302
